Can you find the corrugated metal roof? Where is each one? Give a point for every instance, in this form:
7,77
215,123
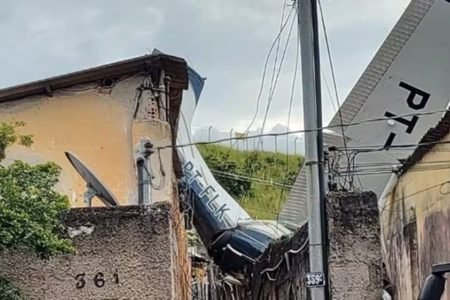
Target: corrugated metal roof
294,211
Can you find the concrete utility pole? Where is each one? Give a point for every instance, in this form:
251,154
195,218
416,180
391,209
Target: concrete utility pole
307,16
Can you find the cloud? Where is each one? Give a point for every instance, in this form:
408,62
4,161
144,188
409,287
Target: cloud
226,41
345,14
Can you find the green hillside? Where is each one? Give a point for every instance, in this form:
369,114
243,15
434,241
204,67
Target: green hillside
258,180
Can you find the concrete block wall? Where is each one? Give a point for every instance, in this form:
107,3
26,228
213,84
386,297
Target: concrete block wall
279,274
355,261
128,252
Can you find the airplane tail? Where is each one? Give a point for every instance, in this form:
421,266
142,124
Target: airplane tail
407,80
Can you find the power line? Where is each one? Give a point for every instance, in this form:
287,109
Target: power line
258,209
261,88
378,148
272,92
294,80
415,169
327,86
388,168
392,166
241,177
333,76
258,100
278,48
291,101
310,130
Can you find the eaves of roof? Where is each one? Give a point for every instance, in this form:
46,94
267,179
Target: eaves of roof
173,66
427,143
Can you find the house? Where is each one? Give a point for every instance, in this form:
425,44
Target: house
415,213
102,115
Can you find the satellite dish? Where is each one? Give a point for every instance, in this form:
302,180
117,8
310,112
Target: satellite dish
94,186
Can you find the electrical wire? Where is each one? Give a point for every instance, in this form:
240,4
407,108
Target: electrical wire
267,270
327,86
278,47
415,169
377,148
333,76
366,121
291,101
241,177
294,81
258,209
274,82
272,92
162,172
395,164
146,84
261,88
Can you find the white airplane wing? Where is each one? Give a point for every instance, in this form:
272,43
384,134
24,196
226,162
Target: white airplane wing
410,74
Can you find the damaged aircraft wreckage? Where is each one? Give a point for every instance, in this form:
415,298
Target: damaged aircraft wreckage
402,93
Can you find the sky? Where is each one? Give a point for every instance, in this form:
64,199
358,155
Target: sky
225,41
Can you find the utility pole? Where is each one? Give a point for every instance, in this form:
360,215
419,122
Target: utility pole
307,20
320,150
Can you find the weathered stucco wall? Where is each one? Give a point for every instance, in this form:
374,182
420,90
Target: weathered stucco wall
103,126
416,223
121,253
278,275
97,124
355,260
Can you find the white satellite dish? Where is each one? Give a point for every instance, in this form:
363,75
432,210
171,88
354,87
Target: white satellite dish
94,186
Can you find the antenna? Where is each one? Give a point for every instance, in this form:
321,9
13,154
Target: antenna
94,186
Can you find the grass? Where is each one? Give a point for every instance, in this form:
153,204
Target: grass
262,200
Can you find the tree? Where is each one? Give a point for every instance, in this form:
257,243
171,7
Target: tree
9,136
30,210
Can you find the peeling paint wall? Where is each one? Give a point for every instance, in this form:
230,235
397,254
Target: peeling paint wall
416,223
278,275
97,125
103,127
355,261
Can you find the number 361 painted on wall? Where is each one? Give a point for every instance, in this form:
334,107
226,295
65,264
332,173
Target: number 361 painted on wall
98,280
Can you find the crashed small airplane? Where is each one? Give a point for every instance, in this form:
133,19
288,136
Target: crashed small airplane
402,93
230,235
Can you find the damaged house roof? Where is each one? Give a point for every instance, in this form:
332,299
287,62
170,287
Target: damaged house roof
173,66
428,142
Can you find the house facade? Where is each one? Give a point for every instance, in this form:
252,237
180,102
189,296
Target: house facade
102,115
415,214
